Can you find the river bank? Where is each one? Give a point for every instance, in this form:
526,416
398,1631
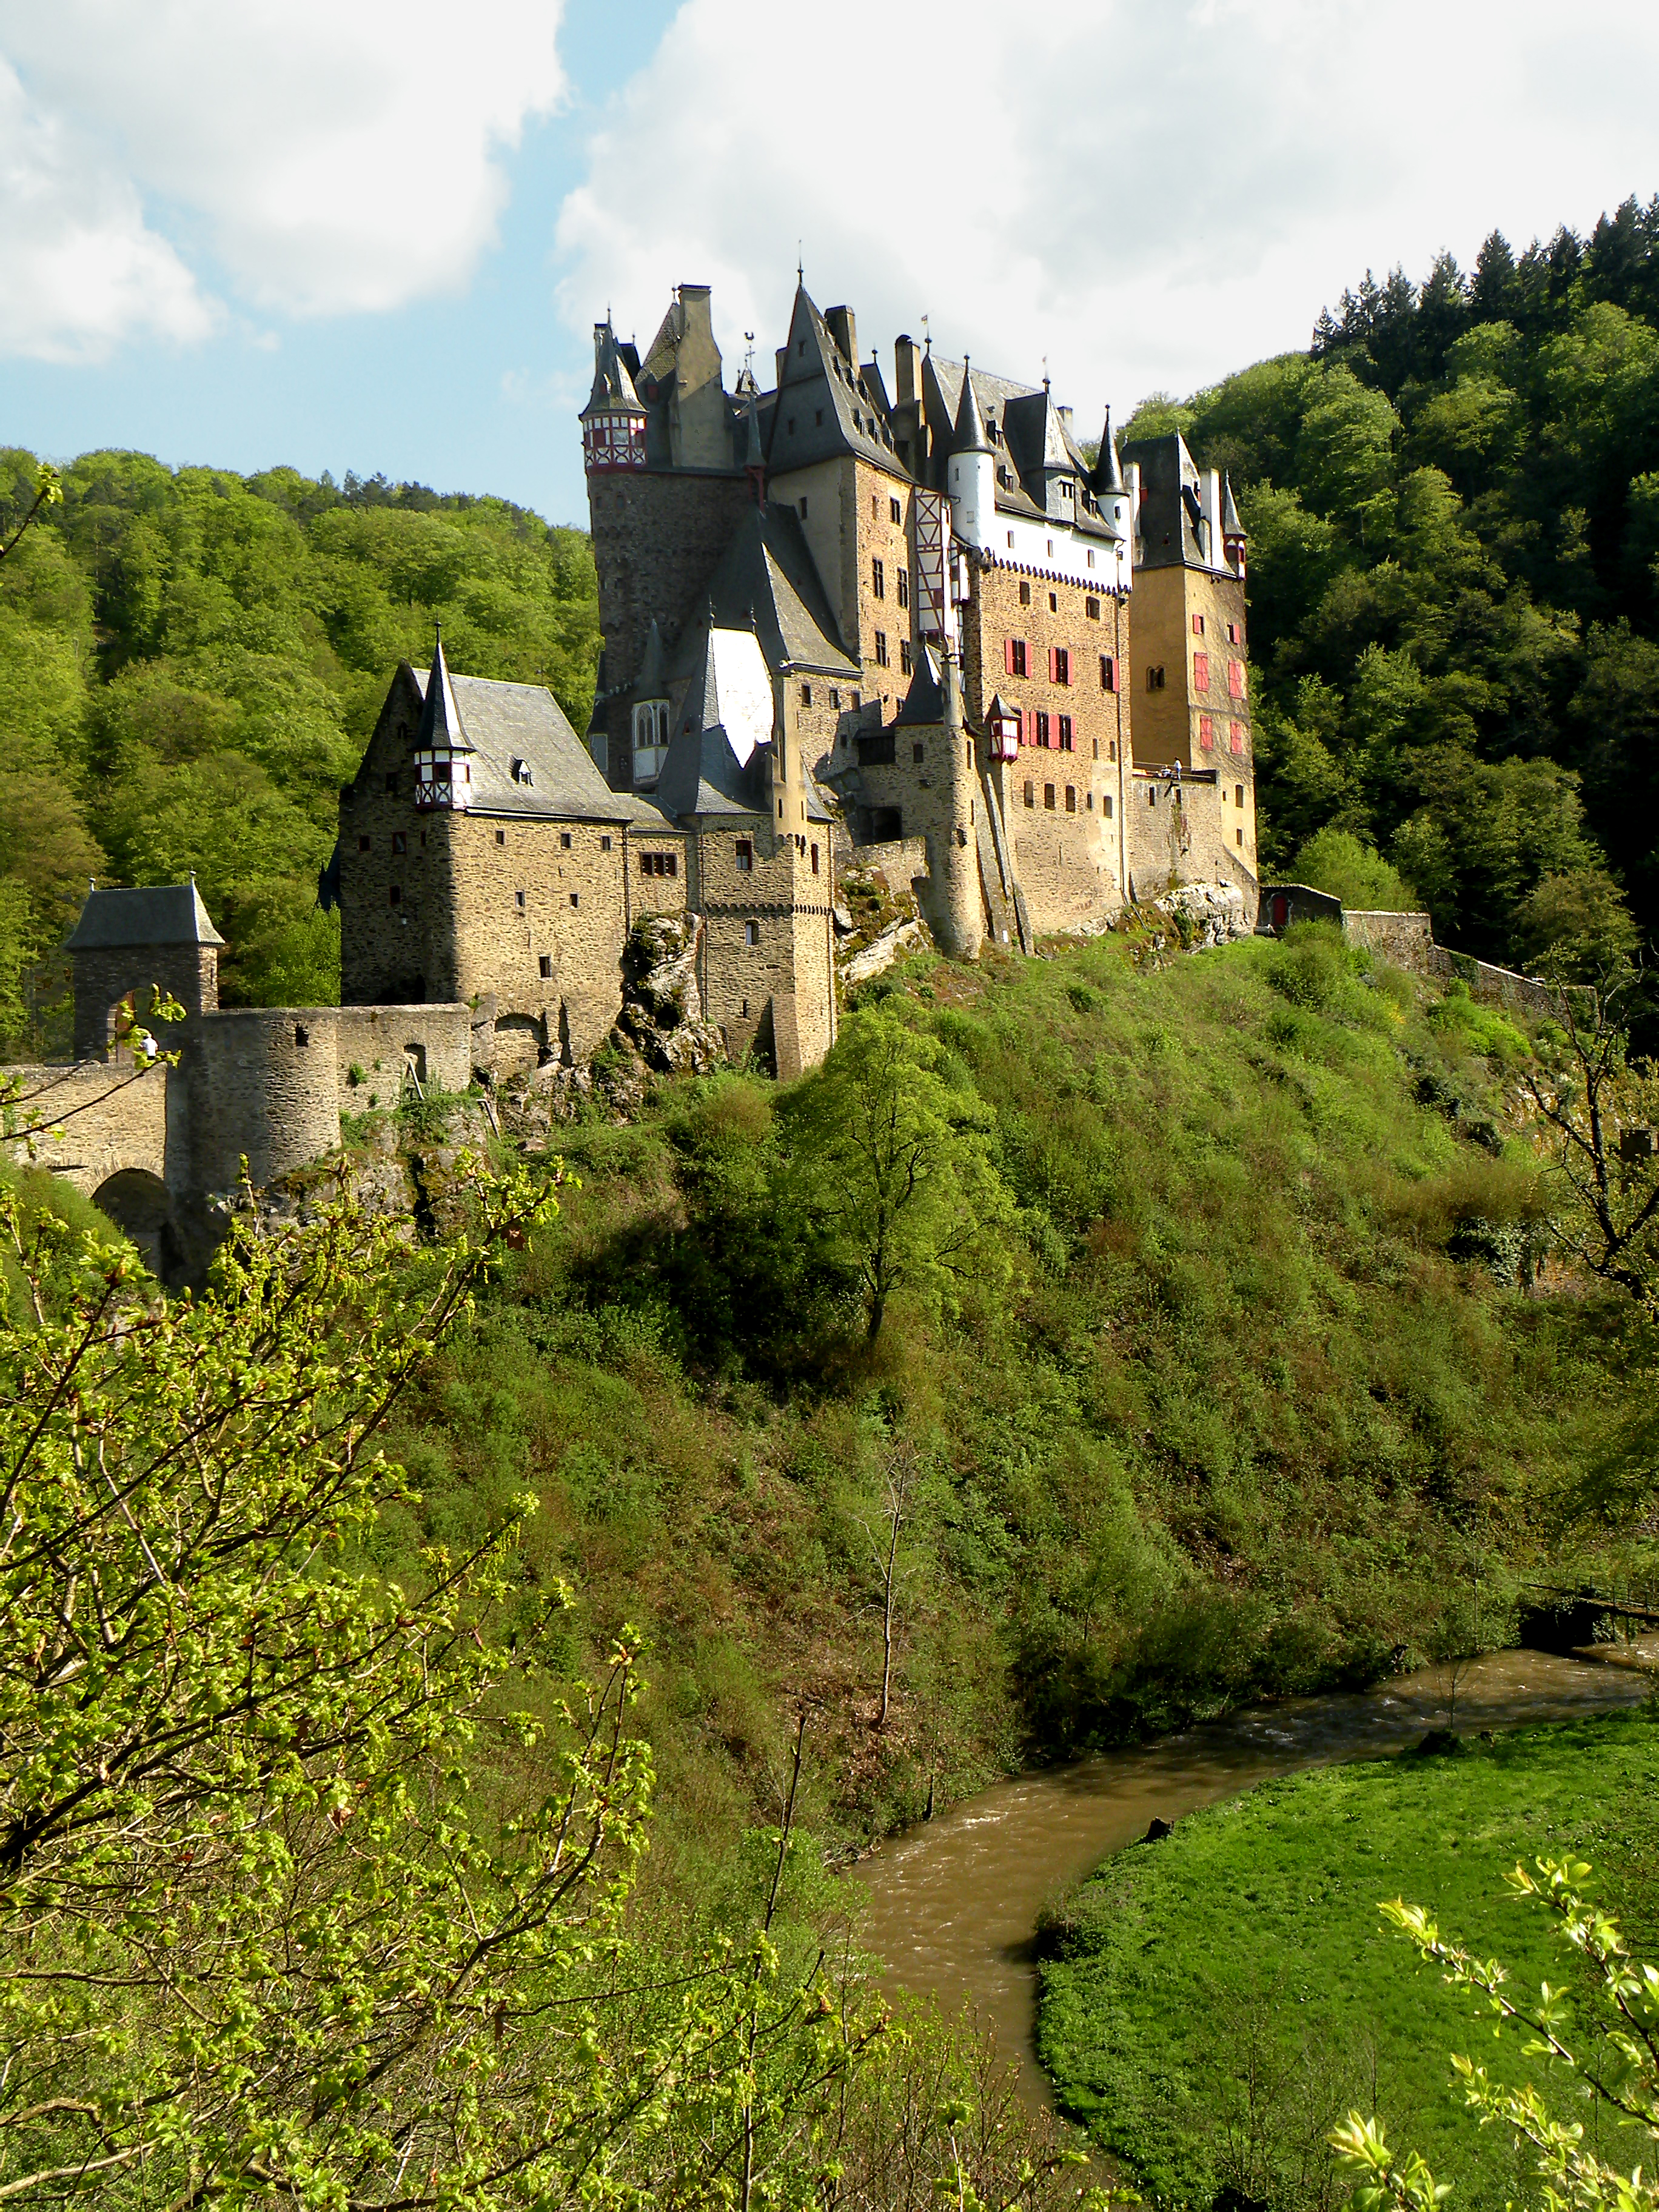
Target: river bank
953,1905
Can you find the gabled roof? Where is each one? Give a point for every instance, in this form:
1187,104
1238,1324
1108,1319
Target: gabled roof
504,723
823,410
768,581
166,914
1169,503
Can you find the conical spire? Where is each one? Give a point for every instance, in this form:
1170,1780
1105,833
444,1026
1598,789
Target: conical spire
441,729
968,436
612,384
753,457
1106,477
1231,525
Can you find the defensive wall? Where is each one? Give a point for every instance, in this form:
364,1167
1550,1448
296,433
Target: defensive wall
1407,941
160,1150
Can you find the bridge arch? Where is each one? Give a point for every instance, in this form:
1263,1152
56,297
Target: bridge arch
141,1206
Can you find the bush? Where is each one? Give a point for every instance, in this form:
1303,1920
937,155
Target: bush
1335,861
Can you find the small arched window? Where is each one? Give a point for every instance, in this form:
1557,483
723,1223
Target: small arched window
650,739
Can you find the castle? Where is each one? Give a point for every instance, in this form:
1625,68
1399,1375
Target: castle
838,626
922,633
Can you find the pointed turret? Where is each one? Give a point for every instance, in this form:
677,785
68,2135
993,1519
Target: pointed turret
970,473
1232,529
1106,478
968,434
613,421
443,756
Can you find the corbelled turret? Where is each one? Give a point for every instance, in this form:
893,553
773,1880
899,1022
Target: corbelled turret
613,421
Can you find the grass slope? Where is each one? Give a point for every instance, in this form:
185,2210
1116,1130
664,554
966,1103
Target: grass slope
1251,1407
1220,1998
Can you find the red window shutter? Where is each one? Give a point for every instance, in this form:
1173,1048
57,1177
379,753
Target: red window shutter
1207,732
1007,656
1235,678
1200,672
1236,737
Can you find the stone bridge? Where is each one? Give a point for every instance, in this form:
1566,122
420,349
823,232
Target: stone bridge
104,1127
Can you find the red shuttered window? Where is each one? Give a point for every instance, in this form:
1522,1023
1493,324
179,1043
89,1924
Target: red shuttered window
1108,672
1200,672
1207,732
1236,737
1235,678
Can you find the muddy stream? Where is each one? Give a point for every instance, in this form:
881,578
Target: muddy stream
954,1904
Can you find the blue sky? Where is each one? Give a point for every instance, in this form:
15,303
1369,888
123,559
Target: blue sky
351,233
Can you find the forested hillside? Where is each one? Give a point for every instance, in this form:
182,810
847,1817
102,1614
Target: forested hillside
190,661
1453,503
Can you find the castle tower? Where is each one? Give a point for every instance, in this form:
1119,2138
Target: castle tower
443,754
613,421
128,941
1192,709
970,474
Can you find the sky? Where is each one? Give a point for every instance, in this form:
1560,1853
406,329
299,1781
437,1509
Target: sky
375,235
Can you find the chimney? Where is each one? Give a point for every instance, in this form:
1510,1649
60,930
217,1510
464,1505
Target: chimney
906,360
696,313
845,332
1065,415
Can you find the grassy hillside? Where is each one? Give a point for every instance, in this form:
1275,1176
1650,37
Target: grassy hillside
1220,2000
1263,1395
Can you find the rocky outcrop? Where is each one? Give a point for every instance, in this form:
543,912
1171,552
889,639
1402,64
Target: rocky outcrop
899,937
662,1008
1206,914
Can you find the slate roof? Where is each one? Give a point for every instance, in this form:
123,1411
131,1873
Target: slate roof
1027,434
924,703
166,914
703,776
505,722
1169,506
613,384
768,580
824,408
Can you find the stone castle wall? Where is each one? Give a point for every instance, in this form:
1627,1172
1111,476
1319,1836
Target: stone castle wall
376,1044
261,1083
658,538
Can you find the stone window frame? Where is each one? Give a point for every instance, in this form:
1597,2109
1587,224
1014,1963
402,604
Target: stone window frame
544,967
881,649
895,513
901,587
878,576
1048,798
1015,657
1066,736
742,853
751,934
904,656
1091,608
1071,799
1106,804
1031,792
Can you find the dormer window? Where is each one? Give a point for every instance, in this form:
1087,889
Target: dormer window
521,772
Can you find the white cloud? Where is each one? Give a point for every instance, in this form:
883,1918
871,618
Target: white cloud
1148,192
76,262
322,155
